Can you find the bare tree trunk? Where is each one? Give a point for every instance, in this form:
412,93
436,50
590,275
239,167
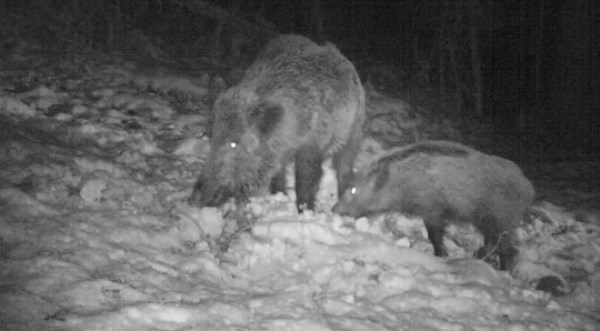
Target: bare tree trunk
527,116
476,58
573,68
114,20
441,72
453,43
539,44
316,20
458,85
441,50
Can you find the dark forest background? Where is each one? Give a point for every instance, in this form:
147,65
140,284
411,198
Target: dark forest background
527,67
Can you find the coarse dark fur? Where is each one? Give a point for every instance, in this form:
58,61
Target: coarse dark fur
444,181
297,102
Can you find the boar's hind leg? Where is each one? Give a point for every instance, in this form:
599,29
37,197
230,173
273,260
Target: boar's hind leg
196,196
435,231
343,162
278,182
308,176
500,243
507,258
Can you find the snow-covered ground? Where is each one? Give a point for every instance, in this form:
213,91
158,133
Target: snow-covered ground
96,233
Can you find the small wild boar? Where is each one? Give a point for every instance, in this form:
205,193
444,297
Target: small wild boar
443,181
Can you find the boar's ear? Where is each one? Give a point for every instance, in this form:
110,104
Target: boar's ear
266,117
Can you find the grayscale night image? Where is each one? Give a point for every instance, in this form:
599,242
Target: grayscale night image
299,165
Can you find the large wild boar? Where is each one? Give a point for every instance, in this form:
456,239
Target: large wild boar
299,102
443,181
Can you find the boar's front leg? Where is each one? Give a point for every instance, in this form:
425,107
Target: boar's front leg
278,183
343,162
308,173
435,232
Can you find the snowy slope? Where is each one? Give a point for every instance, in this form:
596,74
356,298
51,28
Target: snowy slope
96,234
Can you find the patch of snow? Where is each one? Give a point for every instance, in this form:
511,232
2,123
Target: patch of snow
91,191
9,106
96,234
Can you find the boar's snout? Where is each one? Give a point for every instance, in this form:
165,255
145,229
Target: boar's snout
207,195
342,208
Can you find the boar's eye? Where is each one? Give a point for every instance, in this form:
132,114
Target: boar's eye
353,190
233,145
